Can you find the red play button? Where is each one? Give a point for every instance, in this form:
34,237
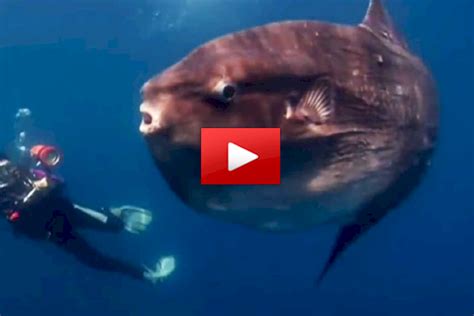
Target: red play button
240,156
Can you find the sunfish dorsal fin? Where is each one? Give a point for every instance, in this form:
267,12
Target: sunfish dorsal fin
379,21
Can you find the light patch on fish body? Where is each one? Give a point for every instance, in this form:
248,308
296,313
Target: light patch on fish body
305,197
288,210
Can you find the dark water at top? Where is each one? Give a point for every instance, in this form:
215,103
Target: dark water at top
79,65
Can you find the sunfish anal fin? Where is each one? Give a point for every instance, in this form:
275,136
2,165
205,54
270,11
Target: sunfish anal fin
346,236
376,209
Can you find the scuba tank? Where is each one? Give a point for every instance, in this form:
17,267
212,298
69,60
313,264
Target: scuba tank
14,187
21,187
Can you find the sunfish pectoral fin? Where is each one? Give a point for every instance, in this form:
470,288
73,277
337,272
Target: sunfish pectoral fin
315,106
379,21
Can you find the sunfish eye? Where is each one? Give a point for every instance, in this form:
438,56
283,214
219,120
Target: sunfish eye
226,91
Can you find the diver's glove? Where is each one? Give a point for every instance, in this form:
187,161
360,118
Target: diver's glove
163,268
135,219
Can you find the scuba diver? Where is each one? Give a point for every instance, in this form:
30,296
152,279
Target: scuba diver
34,202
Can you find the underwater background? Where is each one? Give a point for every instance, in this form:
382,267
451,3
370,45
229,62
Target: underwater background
79,65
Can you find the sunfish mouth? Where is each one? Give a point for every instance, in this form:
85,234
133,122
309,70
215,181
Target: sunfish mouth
147,119
152,123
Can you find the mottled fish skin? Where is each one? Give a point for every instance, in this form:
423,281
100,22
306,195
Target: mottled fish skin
351,168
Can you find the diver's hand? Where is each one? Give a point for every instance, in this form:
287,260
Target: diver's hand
162,269
38,186
41,184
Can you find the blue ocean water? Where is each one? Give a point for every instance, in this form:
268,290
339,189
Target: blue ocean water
79,64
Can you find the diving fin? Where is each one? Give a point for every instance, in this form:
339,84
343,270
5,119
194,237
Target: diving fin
163,268
135,219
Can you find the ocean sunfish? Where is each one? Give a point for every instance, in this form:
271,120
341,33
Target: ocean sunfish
357,111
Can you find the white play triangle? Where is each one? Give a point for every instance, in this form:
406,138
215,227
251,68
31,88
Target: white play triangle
238,156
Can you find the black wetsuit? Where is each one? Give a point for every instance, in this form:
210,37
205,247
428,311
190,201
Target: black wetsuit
55,218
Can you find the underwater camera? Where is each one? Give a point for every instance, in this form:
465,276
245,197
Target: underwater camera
47,155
